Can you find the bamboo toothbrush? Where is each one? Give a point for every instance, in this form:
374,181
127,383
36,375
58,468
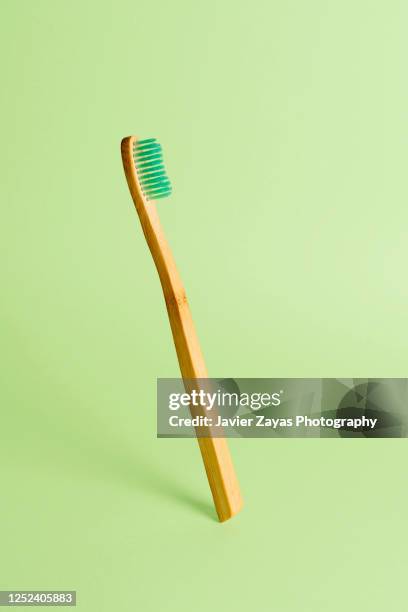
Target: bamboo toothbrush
147,181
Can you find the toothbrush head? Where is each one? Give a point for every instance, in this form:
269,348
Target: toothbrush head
150,170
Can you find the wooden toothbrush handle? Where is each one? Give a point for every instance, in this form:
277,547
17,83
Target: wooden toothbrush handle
214,451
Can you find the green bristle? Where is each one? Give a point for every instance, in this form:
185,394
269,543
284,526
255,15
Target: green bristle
148,158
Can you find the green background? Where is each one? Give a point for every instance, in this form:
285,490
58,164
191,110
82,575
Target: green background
284,129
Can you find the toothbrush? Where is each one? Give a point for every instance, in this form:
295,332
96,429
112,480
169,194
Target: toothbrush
147,181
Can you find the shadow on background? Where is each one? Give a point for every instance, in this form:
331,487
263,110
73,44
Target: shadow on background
90,448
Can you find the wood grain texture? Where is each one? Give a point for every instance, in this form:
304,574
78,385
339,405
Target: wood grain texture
214,451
